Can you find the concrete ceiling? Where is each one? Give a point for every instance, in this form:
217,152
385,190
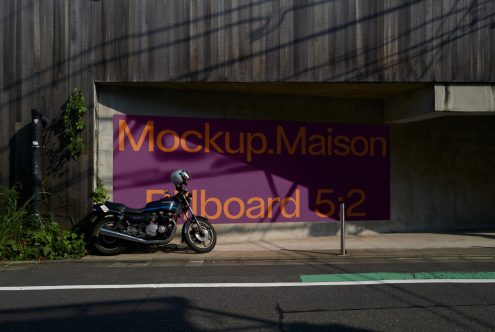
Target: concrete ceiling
377,91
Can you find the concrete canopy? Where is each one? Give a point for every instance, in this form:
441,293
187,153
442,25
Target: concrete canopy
440,100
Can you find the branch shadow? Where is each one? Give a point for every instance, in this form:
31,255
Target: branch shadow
173,313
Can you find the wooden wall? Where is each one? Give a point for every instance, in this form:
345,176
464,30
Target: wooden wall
50,47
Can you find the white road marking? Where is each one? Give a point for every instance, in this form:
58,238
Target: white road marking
250,285
194,263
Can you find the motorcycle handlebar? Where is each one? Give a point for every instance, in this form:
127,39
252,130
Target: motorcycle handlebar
181,189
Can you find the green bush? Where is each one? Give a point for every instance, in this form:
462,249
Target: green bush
100,195
23,236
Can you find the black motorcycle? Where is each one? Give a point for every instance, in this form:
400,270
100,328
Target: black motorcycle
155,224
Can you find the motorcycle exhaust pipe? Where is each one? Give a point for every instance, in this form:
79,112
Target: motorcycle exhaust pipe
119,235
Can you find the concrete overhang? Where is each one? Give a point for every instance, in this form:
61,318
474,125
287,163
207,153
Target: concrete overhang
440,100
402,102
372,91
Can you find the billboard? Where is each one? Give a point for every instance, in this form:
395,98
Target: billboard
249,171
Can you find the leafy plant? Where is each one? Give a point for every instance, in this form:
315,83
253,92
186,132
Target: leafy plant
23,236
100,195
74,124
12,216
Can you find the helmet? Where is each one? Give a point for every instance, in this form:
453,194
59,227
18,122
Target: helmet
179,177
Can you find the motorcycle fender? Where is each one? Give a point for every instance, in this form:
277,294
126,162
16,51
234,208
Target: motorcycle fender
187,221
197,217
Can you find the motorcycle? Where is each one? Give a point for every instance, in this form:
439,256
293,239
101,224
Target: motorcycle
156,224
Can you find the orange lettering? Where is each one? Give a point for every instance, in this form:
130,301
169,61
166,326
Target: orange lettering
354,144
148,130
226,209
300,139
330,141
161,144
250,149
384,145
228,146
344,146
272,200
205,202
194,203
317,148
297,207
260,208
211,140
152,192
183,141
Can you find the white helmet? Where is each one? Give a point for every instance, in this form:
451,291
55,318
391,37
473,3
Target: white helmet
179,177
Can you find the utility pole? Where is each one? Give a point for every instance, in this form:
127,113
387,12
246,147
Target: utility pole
37,124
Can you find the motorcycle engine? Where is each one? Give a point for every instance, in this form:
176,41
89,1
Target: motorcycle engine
156,225
151,229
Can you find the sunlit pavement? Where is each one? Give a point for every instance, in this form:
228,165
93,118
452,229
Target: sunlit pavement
404,245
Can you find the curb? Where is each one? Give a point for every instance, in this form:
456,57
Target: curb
283,255
304,255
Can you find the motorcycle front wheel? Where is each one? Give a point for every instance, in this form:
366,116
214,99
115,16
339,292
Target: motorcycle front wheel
199,240
106,245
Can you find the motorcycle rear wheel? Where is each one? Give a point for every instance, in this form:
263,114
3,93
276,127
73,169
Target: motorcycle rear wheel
200,243
106,245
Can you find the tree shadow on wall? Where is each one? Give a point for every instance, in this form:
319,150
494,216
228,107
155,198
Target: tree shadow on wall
20,162
57,158
54,143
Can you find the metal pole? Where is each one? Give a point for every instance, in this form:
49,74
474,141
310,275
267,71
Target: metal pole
36,150
343,250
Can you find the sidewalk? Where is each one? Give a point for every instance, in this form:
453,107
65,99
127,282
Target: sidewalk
404,245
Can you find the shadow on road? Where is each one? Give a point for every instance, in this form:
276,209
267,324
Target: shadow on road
162,314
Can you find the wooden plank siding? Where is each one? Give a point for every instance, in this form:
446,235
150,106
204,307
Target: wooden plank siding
50,47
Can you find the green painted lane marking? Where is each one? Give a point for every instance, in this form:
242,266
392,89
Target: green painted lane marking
395,276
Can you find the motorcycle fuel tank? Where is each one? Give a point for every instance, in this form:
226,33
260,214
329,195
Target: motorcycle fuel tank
167,204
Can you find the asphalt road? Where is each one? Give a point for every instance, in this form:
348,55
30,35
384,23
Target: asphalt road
389,307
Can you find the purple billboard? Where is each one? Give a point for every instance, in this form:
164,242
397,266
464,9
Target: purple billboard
249,171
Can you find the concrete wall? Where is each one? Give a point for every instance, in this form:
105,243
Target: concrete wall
443,174
442,169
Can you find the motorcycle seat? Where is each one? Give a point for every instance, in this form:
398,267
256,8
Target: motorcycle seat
122,208
133,211
115,206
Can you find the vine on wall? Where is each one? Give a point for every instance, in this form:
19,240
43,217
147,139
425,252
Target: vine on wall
74,124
